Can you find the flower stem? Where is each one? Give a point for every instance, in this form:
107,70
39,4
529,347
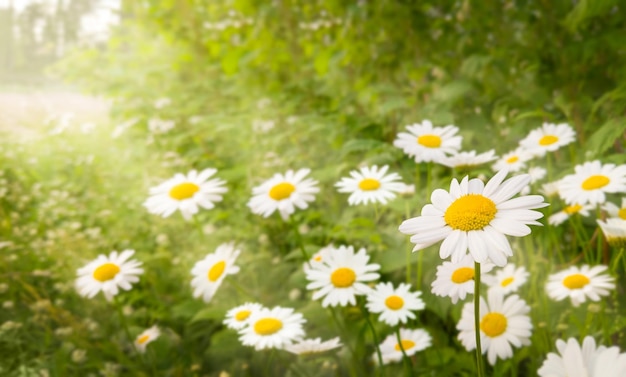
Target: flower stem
118,309
366,314
408,366
479,352
296,231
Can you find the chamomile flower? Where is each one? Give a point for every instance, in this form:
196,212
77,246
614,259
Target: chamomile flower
614,230
507,279
412,341
237,317
341,276
536,174
550,189
211,271
591,182
504,322
456,280
186,193
313,346
108,274
548,138
394,304
580,284
513,161
320,256
427,143
149,335
476,217
615,211
370,184
589,360
469,159
272,328
569,211
283,193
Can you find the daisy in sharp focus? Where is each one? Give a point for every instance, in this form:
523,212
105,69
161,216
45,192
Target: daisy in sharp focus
591,182
370,184
211,271
507,279
283,193
476,217
186,193
548,138
580,284
313,346
513,161
573,360
456,280
412,341
108,274
395,305
149,335
504,323
466,160
614,230
238,317
427,143
341,276
272,328
569,211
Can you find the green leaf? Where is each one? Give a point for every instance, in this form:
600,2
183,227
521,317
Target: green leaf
605,137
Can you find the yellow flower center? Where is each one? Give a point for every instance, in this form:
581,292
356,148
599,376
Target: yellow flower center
429,141
506,281
184,191
493,324
622,213
369,184
216,270
317,258
470,212
106,272
406,345
343,277
572,209
242,315
143,339
394,302
548,139
268,326
282,191
463,274
575,281
595,182
512,159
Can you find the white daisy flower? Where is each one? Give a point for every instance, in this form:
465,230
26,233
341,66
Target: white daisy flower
370,184
186,193
108,274
580,284
427,143
394,304
272,328
456,280
313,346
569,211
548,138
550,189
211,271
238,317
321,255
149,335
591,181
507,279
615,211
476,217
614,231
585,361
466,160
341,276
536,174
504,322
283,192
412,341
513,161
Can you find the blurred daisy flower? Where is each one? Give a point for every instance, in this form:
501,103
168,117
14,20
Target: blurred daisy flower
591,182
237,317
370,184
283,193
186,193
614,230
341,276
476,217
589,360
412,341
513,161
211,271
456,280
108,274
149,335
427,143
615,211
313,346
466,160
580,284
504,323
507,279
569,211
395,305
272,328
548,138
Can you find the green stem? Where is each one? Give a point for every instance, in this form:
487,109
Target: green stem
120,313
346,338
479,351
296,231
366,314
420,264
408,366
